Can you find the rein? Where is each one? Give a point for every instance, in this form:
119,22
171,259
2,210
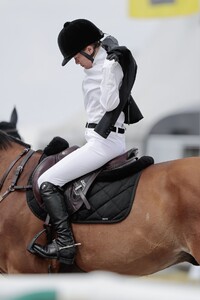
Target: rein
28,153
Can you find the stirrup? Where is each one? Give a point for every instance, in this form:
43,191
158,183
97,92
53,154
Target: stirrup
30,247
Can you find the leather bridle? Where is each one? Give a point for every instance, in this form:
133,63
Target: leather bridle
13,186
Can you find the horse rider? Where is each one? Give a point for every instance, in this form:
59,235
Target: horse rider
109,76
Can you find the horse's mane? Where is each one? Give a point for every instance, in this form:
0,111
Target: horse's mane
7,140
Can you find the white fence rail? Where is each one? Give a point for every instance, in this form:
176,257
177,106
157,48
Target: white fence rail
93,286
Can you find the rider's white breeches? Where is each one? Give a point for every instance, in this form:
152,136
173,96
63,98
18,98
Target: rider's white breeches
94,154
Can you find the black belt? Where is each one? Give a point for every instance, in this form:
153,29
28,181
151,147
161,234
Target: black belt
113,128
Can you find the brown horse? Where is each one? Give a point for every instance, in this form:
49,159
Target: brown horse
162,229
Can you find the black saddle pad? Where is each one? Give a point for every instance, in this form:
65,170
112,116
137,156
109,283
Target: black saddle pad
110,202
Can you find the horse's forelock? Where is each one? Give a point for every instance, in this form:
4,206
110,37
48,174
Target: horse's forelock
5,141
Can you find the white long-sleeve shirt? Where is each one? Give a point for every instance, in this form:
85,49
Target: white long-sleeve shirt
101,94
101,88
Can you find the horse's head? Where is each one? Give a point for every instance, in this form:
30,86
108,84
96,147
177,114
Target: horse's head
11,126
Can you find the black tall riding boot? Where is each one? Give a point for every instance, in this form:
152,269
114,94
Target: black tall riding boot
63,247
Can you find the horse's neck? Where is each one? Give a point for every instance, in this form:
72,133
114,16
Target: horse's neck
11,152
7,156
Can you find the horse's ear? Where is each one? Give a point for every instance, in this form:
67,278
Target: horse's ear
14,117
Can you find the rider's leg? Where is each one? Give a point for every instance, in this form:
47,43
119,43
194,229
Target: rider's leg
62,247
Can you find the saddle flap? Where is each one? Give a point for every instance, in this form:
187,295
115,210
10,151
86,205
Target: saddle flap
44,165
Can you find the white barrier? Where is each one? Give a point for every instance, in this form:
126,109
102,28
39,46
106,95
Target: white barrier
93,286
194,272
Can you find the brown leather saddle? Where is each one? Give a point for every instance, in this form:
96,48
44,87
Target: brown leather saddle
76,191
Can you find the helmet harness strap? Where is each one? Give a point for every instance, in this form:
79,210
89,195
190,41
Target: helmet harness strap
88,56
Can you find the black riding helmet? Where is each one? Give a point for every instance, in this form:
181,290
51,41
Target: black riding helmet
75,36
